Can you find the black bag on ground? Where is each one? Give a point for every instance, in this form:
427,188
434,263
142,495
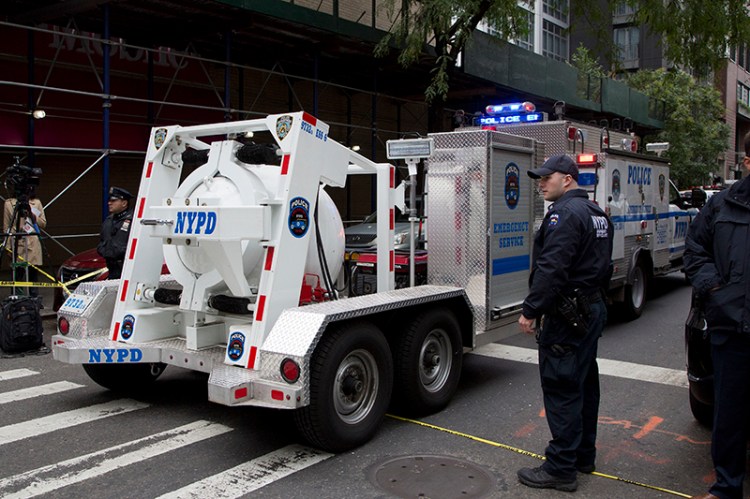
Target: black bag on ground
20,324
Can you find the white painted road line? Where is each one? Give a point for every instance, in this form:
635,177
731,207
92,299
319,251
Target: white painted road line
617,368
16,373
37,391
55,476
61,420
252,475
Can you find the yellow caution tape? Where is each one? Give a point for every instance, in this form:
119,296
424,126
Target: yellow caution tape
531,454
54,284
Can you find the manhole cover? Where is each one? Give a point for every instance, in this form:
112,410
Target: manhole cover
431,477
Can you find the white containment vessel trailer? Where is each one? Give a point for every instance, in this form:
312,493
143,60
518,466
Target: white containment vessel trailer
252,240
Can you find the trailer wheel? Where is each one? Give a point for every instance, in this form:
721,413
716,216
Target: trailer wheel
635,293
124,377
427,363
351,378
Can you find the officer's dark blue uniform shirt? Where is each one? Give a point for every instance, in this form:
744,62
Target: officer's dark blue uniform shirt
571,251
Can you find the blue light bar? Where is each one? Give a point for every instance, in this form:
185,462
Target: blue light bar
511,108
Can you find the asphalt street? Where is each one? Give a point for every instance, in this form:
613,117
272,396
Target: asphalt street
61,435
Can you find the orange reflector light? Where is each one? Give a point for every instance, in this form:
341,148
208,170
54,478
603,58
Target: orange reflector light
240,393
63,326
587,159
277,395
289,370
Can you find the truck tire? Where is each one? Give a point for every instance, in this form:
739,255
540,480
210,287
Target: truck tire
427,363
703,413
351,378
124,377
635,293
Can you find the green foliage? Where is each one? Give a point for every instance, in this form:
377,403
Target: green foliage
696,34
590,74
445,26
693,127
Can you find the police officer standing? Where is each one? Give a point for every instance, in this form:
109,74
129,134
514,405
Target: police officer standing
113,238
717,262
571,268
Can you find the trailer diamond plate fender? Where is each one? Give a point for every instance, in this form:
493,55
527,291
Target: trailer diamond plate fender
298,331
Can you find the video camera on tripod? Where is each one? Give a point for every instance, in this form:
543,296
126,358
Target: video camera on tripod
20,319
21,179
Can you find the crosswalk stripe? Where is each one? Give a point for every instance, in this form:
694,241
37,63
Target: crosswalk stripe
38,391
617,368
16,373
47,424
252,475
55,476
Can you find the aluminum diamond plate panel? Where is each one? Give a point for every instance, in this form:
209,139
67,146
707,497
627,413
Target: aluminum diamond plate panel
297,331
481,211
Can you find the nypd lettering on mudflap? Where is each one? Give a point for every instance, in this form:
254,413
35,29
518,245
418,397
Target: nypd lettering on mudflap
195,222
114,355
299,216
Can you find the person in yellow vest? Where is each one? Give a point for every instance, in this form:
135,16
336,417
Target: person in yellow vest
27,225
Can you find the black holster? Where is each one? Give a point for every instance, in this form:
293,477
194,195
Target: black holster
575,310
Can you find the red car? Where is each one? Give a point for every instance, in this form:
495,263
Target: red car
79,265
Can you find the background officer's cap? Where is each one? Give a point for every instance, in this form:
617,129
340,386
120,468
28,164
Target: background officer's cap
119,193
560,163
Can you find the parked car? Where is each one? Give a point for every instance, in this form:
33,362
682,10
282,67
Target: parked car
700,369
361,237
79,265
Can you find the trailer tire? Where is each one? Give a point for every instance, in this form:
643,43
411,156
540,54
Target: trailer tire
124,377
427,363
351,378
635,293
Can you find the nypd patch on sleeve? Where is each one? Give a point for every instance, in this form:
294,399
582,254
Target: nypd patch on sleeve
600,225
554,219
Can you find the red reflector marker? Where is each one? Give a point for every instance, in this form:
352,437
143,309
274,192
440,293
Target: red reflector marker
63,326
277,395
240,393
289,370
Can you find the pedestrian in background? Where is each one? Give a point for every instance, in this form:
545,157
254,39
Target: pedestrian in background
716,260
571,269
113,238
29,221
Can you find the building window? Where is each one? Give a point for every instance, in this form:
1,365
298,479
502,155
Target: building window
554,41
557,9
743,94
527,41
627,41
623,9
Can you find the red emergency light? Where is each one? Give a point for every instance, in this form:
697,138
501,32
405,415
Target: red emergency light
587,159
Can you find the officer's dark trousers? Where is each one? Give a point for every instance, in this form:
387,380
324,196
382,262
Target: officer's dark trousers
570,385
731,358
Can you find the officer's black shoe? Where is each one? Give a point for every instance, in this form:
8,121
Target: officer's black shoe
586,468
540,479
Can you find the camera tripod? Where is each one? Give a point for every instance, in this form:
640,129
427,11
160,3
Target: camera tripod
20,227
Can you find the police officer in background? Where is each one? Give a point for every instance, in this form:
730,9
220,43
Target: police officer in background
571,269
113,238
